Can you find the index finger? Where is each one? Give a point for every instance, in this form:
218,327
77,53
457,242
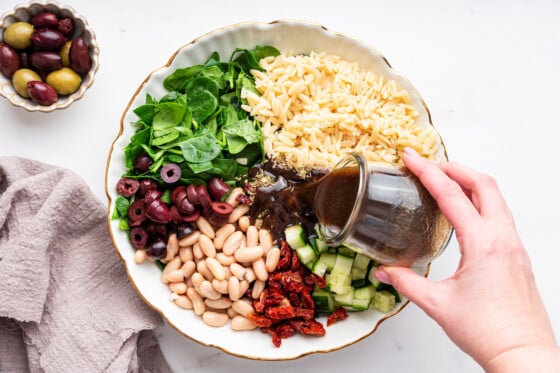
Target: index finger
450,197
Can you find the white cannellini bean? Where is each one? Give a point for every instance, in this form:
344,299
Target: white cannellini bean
248,254
221,286
197,279
188,269
205,227
197,251
215,319
260,269
140,256
175,276
243,307
237,213
234,288
186,254
231,313
184,302
174,264
220,304
203,269
232,197
240,322
265,239
250,275
243,286
252,236
198,304
189,240
172,247
207,246
272,258
258,288
232,243
207,291
224,259
178,287
244,222
216,268
222,235
238,271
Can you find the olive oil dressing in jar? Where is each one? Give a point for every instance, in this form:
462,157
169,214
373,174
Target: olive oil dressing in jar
380,210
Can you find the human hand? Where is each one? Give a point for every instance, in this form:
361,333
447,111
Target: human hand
490,307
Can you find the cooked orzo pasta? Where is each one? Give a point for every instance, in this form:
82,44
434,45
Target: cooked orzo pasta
315,108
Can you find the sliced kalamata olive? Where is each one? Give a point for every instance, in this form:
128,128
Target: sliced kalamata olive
184,229
192,217
178,194
155,229
170,173
145,186
127,187
157,248
175,215
222,208
158,212
142,163
138,237
203,197
192,195
137,210
152,195
185,207
217,188
219,213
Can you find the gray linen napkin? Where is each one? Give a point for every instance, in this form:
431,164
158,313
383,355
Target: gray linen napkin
66,304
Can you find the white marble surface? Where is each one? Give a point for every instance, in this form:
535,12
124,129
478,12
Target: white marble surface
488,71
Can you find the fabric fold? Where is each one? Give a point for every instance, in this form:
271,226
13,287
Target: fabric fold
62,284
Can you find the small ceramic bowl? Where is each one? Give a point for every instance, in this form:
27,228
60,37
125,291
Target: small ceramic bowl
82,30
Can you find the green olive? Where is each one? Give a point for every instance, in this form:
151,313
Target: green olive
65,54
20,79
18,35
64,81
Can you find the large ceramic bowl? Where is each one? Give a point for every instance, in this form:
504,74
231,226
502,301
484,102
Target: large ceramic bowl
293,36
25,12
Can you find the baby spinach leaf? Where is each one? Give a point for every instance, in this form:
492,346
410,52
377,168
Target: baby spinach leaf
203,105
176,80
202,83
201,148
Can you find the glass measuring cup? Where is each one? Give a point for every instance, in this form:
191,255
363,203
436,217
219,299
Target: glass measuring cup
379,210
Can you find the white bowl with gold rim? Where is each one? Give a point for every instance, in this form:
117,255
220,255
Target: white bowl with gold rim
285,35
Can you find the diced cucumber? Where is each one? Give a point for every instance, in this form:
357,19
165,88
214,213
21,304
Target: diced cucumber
343,264
319,268
384,301
371,278
345,299
339,283
361,304
321,245
306,255
343,250
295,236
361,261
359,283
358,273
324,302
328,259
364,292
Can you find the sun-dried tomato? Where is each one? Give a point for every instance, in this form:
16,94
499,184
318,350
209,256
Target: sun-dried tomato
337,315
286,306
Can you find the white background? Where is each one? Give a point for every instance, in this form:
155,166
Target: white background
488,71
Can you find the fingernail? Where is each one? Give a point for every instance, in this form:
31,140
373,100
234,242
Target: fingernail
411,152
381,275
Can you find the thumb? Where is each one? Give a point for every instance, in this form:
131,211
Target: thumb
418,289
